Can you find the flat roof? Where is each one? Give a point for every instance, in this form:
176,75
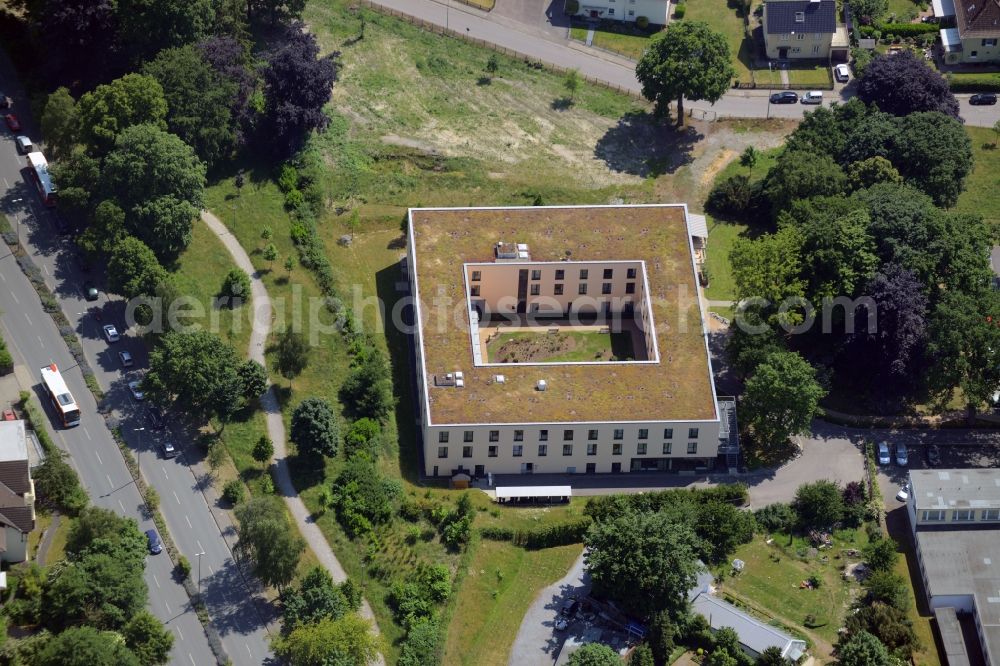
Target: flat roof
955,489
13,441
678,388
951,636
534,491
753,633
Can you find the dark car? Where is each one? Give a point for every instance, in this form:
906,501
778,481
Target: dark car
983,99
154,543
169,450
155,418
786,97
933,455
90,291
12,122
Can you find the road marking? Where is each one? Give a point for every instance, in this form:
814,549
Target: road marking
46,269
5,183
86,432
40,340
192,659
211,571
248,650
121,505
168,607
190,526
179,632
165,473
176,497
26,316
2,277
108,477
156,580
98,457
14,296
200,549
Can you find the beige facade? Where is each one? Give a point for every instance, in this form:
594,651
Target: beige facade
625,10
802,45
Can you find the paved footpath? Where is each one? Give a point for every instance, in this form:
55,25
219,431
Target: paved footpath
262,311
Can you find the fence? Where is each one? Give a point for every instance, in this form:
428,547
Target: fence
485,5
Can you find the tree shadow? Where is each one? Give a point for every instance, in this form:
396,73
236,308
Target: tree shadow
561,104
642,145
484,81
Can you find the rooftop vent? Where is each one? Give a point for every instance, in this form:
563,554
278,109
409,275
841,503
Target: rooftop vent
800,17
506,250
456,379
541,385
499,379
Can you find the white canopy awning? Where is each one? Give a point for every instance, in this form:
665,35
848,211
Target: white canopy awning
534,491
697,225
950,39
943,8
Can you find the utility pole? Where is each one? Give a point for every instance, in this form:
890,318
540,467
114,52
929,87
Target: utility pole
17,218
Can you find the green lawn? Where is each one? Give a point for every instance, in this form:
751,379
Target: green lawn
905,10
724,19
981,196
542,347
810,75
611,37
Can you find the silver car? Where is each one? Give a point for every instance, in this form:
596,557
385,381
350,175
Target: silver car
902,457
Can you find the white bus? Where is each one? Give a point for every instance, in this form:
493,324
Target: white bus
43,179
62,399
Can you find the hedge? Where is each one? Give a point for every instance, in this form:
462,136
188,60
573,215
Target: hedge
970,83
906,29
561,534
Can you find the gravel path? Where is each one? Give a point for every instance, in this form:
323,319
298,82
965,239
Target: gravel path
262,312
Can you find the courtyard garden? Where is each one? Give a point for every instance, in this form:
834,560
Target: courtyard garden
542,346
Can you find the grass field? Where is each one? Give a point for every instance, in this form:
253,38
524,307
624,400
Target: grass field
627,44
542,347
981,196
726,20
809,75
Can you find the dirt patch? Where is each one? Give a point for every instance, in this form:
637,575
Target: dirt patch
720,161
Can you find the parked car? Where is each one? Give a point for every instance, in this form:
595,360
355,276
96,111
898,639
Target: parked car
155,418
169,450
90,291
24,145
904,493
933,455
137,393
813,97
842,73
902,457
983,99
111,333
126,359
12,122
153,542
883,454
785,97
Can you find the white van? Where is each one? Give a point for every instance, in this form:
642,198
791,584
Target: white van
812,97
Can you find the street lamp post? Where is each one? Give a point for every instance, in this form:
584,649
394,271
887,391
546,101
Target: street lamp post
17,218
769,75
138,455
198,555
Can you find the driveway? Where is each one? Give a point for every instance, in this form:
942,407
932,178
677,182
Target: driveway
537,642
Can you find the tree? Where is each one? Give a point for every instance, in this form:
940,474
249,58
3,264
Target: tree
749,158
872,171
266,233
289,265
571,82
905,85
728,526
59,123
363,496
800,175
270,254
594,654
728,650
996,131
348,640
196,372
315,430
263,450
891,626
148,639
819,505
292,355
275,10
645,561
317,598
887,587
880,554
236,287
780,398
863,649
83,36
901,324
253,379
661,637
158,181
687,60
363,435
78,178
133,269
297,84
227,55
199,101
771,657
935,155
642,655
58,483
107,229
422,645
492,65
101,588
150,27
267,540
367,391
869,11
112,532
86,646
110,108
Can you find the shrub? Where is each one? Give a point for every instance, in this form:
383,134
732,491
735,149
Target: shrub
183,567
6,362
294,199
777,517
905,30
234,492
679,10
288,179
236,285
572,6
642,22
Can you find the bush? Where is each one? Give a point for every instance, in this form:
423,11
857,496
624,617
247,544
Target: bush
904,30
288,179
294,199
985,82
183,567
6,362
572,6
234,492
236,285
777,517
680,10
642,22
561,534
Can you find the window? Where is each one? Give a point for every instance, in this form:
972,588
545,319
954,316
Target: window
567,435
536,275
630,287
692,433
989,42
543,435
466,451
518,435
474,290
467,436
974,54
962,514
557,289
560,274
543,450
630,274
816,49
619,433
591,435
796,49
518,450
591,449
443,437
536,289
611,10
668,433
692,447
494,435
800,17
643,433
800,36
583,273
631,12
936,514
640,449
616,449
567,449
442,452
668,448
609,273
476,275
606,288
784,37
583,288
991,514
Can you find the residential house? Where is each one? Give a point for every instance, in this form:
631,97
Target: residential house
17,493
804,29
625,10
977,29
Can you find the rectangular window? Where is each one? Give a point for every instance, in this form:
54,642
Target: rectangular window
536,275
974,54
543,450
800,17
474,290
619,433
932,515
518,450
518,435
668,448
991,514
582,288
668,433
640,449
606,288
567,449
567,435
557,289
630,287
466,451
796,49
591,449
630,274
467,436
611,11
616,449
643,433
476,275
536,289
583,273
989,42
442,452
692,433
494,435
543,435
962,514
592,435
631,12
560,274
493,451
800,36
784,37
609,273
816,49
692,447
443,437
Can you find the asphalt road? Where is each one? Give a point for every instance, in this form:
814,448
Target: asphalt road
237,613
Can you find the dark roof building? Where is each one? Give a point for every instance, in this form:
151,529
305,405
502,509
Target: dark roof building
978,18
800,16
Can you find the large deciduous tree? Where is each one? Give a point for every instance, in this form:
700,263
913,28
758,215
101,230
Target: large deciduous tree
869,11
935,155
232,62
59,123
105,112
800,175
819,505
687,60
268,541
347,640
190,369
315,429
863,649
316,598
901,326
275,10
133,269
149,26
780,399
902,84
769,268
83,35
594,654
148,639
86,646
